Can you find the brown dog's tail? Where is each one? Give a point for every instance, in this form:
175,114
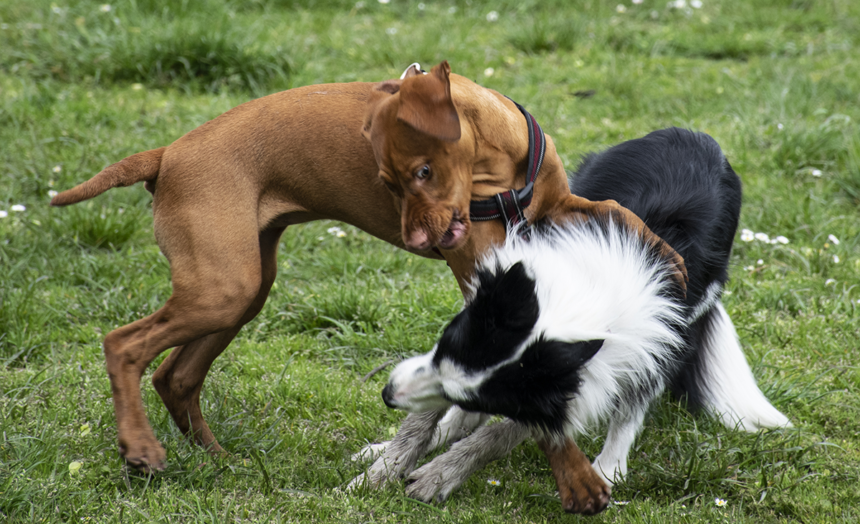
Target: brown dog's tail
140,167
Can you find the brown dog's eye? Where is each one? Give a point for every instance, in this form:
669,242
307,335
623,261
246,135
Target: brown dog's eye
423,173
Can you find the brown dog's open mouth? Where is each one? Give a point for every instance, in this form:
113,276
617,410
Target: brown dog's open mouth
455,233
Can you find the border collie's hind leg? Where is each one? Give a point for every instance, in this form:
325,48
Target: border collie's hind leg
623,428
728,387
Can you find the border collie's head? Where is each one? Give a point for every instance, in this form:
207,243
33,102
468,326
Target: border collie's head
490,359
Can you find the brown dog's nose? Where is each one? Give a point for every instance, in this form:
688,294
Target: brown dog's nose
387,396
417,239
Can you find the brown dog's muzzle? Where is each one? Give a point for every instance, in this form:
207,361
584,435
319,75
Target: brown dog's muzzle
425,226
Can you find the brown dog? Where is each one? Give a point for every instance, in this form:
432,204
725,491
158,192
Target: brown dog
224,193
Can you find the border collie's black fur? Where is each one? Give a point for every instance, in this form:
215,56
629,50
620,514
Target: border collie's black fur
585,323
683,188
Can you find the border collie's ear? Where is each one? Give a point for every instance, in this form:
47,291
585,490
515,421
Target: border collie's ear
426,105
584,350
508,298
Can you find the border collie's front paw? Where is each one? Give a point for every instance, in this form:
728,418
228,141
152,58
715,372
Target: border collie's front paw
394,463
370,452
612,470
433,482
401,454
380,473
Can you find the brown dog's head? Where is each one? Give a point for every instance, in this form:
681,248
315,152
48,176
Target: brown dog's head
423,156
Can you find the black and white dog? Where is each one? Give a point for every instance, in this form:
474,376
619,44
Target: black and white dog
585,324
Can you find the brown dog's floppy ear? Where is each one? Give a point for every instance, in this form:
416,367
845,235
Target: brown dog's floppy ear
382,91
426,105
389,86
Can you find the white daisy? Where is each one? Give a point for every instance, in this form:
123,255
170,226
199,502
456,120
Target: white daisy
833,239
762,237
18,207
492,16
747,235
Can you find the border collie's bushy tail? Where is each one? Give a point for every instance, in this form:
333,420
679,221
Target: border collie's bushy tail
726,385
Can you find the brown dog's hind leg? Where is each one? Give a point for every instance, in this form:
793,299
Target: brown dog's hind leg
216,275
179,379
580,487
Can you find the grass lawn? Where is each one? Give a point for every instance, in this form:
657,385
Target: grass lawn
83,85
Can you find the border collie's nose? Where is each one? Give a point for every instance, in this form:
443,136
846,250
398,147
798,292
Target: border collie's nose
387,396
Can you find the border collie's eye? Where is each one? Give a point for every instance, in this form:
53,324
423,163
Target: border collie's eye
423,172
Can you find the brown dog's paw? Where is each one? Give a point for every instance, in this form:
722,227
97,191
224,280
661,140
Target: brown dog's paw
144,455
586,495
581,489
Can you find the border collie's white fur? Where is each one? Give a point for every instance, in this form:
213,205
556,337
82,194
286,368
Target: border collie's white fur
584,324
596,289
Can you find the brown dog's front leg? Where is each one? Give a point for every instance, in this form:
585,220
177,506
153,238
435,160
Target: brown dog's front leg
580,487
577,208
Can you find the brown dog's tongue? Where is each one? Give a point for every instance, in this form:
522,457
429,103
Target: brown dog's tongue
455,232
